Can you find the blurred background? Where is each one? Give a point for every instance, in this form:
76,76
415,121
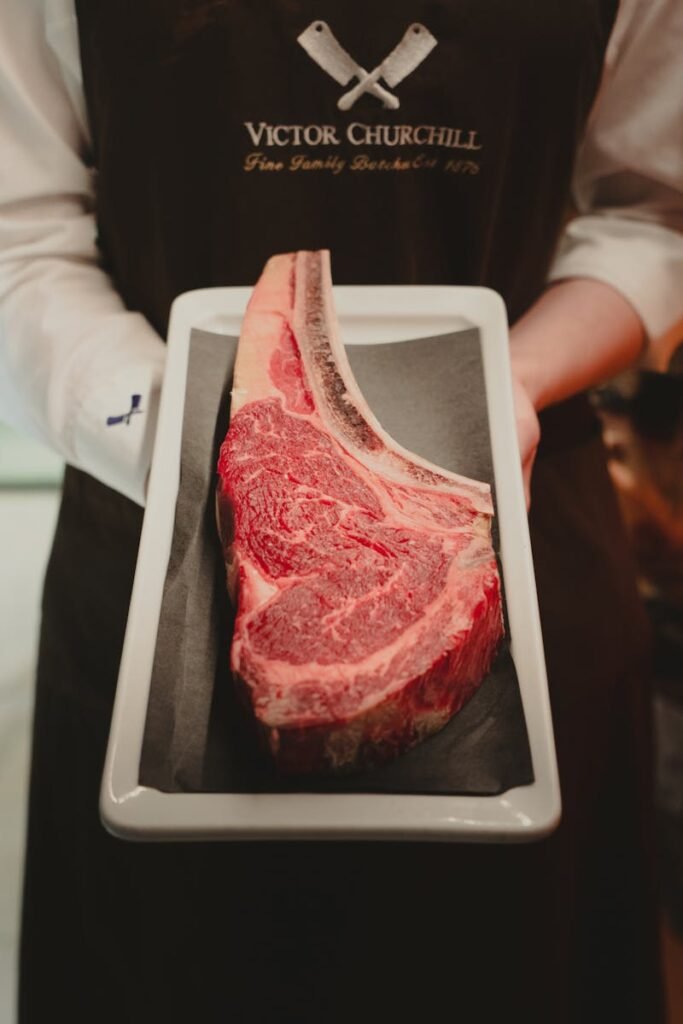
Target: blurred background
642,418
29,493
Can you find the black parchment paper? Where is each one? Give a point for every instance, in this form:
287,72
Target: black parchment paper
429,395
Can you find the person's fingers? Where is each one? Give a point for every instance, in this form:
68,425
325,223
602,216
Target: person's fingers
528,434
527,469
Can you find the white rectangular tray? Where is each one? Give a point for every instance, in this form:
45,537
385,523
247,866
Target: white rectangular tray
369,314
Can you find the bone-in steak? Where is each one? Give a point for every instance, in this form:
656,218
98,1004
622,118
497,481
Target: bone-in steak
367,591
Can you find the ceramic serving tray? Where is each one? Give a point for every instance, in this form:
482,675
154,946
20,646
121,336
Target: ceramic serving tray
367,315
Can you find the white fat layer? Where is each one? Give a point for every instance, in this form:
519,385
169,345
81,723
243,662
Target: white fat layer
266,316
256,591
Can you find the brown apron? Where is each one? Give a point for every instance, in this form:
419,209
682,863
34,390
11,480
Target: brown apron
218,141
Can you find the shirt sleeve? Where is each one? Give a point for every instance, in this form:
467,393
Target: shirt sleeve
77,370
628,179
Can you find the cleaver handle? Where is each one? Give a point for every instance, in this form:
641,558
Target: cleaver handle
366,84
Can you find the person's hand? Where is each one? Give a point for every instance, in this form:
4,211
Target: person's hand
577,333
528,432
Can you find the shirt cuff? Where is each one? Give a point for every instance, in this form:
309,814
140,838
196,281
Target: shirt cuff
641,260
114,412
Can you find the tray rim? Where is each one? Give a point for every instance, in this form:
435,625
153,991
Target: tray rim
135,812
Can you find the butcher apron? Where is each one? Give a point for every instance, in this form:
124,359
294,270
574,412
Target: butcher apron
225,131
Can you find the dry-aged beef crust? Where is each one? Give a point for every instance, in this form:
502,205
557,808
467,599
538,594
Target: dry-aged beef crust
367,589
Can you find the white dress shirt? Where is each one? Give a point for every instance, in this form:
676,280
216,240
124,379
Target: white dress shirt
71,355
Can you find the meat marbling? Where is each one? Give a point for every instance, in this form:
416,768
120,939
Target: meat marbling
367,591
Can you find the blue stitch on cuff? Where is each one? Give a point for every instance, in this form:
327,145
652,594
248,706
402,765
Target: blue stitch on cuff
126,417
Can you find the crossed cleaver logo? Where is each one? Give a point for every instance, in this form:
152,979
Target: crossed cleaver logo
321,45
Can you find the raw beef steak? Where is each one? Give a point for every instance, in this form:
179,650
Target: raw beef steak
367,591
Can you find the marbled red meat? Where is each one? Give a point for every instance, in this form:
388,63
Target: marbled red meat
367,591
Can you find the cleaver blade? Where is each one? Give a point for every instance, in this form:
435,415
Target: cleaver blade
417,43
321,45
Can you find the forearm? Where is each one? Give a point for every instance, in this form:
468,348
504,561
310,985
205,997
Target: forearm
578,333
72,357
